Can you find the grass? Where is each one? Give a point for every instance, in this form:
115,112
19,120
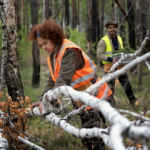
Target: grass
54,137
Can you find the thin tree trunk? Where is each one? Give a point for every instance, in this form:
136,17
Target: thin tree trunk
131,24
122,27
11,70
102,19
63,14
78,13
122,9
113,10
80,17
43,13
27,22
89,27
50,9
93,27
35,50
18,14
74,14
23,6
67,12
139,38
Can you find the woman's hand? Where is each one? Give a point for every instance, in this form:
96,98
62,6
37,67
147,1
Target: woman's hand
37,104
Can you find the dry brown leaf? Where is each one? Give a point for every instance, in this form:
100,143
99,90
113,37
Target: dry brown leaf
138,146
22,135
29,105
6,114
21,102
1,94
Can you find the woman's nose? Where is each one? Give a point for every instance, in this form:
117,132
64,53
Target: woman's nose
43,46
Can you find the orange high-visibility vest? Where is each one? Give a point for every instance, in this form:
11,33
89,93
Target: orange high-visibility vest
82,76
101,91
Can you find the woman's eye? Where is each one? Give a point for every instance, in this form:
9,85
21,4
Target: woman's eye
45,43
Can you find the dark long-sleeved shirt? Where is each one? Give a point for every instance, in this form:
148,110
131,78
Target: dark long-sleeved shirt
72,60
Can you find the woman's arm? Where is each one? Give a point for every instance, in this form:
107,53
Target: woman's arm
49,86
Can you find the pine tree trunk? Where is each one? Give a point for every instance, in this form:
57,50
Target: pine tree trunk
27,22
67,12
47,9
23,6
139,38
89,27
102,19
93,27
78,14
10,63
35,50
113,9
17,14
43,13
122,27
50,9
73,14
131,24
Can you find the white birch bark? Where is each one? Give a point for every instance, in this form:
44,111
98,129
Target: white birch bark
29,143
3,142
134,55
4,48
118,72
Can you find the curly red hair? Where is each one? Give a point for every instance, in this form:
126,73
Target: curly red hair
48,30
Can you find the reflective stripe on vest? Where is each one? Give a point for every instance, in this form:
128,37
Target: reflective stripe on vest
109,47
82,76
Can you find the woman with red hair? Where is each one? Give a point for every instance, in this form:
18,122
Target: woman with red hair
68,65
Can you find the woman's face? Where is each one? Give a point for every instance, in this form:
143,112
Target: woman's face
46,44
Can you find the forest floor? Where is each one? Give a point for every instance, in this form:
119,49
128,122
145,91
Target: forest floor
53,137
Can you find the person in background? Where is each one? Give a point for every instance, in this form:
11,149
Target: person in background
106,47
69,65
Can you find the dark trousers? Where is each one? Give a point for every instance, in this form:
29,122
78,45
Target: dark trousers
91,119
123,79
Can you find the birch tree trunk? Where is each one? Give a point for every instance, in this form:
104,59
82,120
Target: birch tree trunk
102,19
35,50
131,24
10,66
139,38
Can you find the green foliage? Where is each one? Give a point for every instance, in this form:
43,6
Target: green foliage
24,47
125,50
78,38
